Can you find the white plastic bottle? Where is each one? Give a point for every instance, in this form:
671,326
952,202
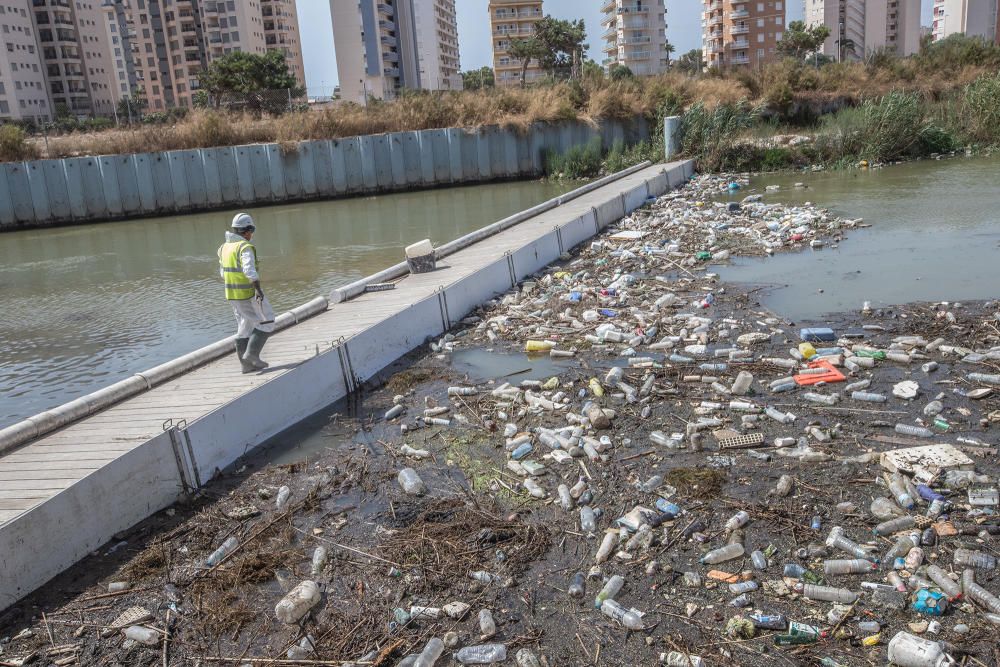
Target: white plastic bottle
411,483
432,651
487,626
318,560
722,554
297,603
143,635
906,650
283,495
224,550
484,654
630,618
678,659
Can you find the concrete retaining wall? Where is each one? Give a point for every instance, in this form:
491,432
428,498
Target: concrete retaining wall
110,187
49,538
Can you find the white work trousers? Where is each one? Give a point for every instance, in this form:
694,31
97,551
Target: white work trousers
252,314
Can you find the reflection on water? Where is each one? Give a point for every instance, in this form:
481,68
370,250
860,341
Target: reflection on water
85,306
935,234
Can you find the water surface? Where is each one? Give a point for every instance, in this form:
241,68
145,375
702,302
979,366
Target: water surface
935,236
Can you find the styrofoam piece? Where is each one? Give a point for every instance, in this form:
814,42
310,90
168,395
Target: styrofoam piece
929,457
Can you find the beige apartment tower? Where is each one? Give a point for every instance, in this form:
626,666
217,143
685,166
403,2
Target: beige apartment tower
23,91
635,35
437,44
513,19
859,28
741,33
281,32
974,18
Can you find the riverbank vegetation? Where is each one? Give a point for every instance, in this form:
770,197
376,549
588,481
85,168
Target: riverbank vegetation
944,98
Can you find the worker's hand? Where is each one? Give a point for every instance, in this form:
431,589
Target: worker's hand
260,295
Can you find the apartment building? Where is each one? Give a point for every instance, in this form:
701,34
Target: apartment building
513,19
975,18
741,33
635,35
119,34
861,27
23,90
281,32
437,40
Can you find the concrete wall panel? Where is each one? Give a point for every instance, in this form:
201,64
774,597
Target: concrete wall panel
226,161
74,188
465,295
455,153
397,160
16,175
487,154
369,169
469,143
354,169
657,184
425,147
123,167
56,189
396,336
39,192
307,167
609,211
163,187
276,172
95,204
244,175
578,230
328,160
212,185
179,179
7,216
260,173
635,197
383,161
290,166
412,165
536,255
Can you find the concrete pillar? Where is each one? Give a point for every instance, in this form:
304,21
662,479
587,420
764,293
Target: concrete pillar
671,137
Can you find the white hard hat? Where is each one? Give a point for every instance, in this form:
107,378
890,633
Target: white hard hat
242,221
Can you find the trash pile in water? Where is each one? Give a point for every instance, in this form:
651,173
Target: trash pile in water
701,483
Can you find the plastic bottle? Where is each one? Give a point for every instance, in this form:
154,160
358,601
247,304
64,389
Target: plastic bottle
906,650
914,558
897,485
318,560
915,431
283,493
743,587
143,635
224,550
759,560
948,586
976,559
432,651
869,627
607,544
828,593
794,570
985,378
895,525
722,554
983,598
611,588
902,546
487,626
533,488
741,386
484,654
539,345
297,603
853,566
968,578
678,659
630,618
578,585
738,520
896,582
525,658
588,522
839,541
522,451
813,397
868,397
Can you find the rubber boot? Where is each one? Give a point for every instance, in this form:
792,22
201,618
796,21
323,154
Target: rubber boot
241,349
252,355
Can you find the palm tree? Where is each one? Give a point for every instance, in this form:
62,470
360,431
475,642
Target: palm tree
668,48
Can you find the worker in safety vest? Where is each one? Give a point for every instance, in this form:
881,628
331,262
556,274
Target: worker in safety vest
254,316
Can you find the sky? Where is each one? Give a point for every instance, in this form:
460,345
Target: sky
683,31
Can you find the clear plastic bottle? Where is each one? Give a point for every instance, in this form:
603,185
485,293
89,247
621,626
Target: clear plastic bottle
723,554
410,482
611,588
976,559
283,494
983,598
895,525
901,547
607,544
868,397
738,520
828,593
853,566
483,654
487,626
837,540
224,550
985,378
897,485
143,635
588,522
784,487
914,558
432,651
948,586
578,585
742,384
678,659
297,603
759,560
318,560
630,618
565,499
884,509
825,399
743,587
915,431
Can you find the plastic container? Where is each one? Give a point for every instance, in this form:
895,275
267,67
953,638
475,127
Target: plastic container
852,566
723,554
297,603
839,541
983,598
318,560
759,560
420,257
895,525
742,384
411,483
948,586
630,618
900,491
915,431
588,522
283,494
539,345
906,650
578,585
431,653
828,593
143,635
884,509
678,659
976,559
738,520
611,588
224,550
483,654
743,587
487,626
868,397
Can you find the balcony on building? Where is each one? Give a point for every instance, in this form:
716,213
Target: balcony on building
739,30
386,9
607,6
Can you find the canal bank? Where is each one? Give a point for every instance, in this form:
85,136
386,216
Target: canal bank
136,457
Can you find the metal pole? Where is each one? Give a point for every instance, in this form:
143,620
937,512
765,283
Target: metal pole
671,143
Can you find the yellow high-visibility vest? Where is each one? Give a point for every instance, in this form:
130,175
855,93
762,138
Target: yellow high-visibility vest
238,286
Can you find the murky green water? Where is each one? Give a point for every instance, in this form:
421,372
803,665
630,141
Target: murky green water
935,237
85,306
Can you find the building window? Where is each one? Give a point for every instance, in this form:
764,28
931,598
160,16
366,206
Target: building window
777,20
760,37
777,36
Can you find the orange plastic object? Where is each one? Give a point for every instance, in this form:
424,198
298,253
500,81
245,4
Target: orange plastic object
831,374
